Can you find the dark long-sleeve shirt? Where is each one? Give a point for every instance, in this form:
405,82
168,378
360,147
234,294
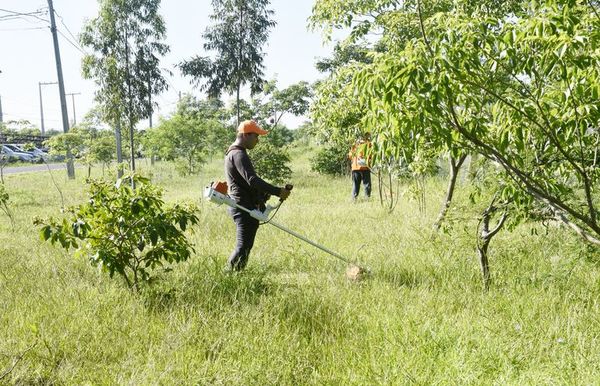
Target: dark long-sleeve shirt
245,187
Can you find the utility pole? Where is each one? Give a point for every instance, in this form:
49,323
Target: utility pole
61,87
40,84
72,94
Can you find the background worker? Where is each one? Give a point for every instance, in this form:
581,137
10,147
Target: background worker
248,190
361,172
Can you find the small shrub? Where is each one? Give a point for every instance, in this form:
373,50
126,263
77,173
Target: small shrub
331,160
4,198
127,231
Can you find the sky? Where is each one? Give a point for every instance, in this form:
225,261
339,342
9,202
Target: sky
27,55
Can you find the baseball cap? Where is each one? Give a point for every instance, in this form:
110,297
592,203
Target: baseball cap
251,127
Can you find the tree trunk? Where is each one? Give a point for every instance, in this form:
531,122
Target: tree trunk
239,58
454,169
130,103
484,238
380,186
237,102
119,148
473,166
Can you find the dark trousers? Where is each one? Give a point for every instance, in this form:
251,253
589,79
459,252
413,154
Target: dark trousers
359,176
246,227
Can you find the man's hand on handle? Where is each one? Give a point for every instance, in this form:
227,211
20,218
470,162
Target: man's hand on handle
285,192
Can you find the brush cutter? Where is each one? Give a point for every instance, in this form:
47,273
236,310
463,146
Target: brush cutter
216,192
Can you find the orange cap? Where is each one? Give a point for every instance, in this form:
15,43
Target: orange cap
251,127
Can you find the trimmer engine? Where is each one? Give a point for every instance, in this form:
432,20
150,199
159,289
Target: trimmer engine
217,192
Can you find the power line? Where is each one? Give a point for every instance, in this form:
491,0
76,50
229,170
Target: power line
62,21
15,13
73,42
11,18
22,15
70,42
21,29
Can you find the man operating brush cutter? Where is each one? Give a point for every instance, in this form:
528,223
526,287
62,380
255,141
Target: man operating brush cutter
247,199
248,190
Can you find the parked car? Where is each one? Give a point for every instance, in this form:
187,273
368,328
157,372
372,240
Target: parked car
39,154
14,153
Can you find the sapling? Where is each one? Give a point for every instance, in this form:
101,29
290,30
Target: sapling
4,198
126,231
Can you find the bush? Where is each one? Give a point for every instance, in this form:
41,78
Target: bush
331,160
125,230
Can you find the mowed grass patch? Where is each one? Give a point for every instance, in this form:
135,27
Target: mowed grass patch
292,317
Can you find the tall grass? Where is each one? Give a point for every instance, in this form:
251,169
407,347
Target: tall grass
292,318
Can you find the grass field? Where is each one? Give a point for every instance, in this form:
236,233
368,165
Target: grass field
292,318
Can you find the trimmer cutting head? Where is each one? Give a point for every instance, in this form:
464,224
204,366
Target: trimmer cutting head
356,273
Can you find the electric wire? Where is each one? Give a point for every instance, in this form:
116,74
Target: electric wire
21,29
22,15
62,21
70,42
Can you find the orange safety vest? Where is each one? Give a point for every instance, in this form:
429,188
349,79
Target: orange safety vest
358,153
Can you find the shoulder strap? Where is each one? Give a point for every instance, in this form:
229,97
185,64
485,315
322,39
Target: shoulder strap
234,147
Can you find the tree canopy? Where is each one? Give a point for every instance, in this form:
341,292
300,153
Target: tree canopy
240,31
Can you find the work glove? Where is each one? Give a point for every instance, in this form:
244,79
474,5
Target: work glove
285,192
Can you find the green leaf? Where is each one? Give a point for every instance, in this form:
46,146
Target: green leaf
153,236
45,232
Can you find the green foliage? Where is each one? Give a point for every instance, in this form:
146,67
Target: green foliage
241,29
278,136
332,160
85,143
336,113
125,231
343,54
126,38
192,133
271,163
515,82
98,145
294,99
60,144
17,128
4,204
102,148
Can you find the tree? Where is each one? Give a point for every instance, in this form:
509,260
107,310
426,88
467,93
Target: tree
398,25
241,29
335,114
294,99
188,135
125,231
343,54
126,37
331,160
514,82
522,92
98,144
72,141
